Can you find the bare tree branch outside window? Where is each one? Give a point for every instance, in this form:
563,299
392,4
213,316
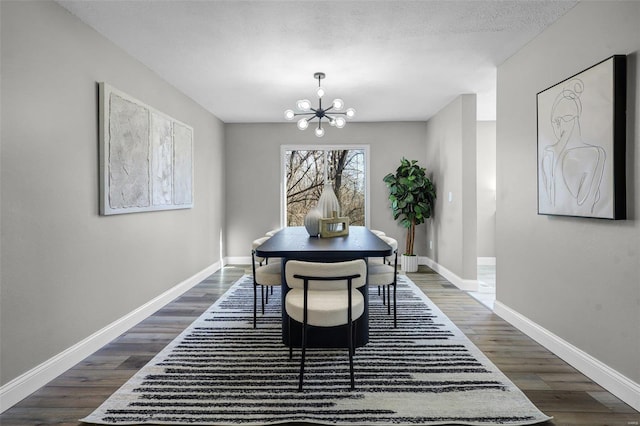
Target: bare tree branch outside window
305,171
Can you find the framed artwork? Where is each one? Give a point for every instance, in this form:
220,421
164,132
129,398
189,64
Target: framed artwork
146,157
581,143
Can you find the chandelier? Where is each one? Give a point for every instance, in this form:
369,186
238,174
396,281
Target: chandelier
333,114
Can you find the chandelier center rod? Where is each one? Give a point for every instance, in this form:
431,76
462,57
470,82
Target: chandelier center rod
332,113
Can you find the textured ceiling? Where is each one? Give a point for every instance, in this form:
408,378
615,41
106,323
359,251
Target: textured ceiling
248,61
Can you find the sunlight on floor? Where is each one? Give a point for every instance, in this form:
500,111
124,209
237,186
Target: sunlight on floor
486,294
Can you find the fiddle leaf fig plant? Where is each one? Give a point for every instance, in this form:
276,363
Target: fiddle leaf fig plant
412,197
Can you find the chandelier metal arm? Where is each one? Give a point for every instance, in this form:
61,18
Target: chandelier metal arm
329,113
326,111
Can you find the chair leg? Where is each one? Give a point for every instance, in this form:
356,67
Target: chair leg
355,337
384,295
395,312
351,351
289,339
255,303
302,358
388,287
262,296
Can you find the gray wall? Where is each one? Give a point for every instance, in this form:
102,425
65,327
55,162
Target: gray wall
253,181
577,278
486,184
451,158
66,271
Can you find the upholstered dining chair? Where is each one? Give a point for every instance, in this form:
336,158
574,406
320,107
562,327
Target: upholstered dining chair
378,232
325,295
268,235
266,273
384,275
272,232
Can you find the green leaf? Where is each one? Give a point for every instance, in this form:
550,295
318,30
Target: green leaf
411,194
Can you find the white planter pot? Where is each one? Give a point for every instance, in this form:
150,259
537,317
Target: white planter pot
409,263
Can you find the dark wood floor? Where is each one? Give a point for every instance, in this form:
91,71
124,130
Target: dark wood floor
552,385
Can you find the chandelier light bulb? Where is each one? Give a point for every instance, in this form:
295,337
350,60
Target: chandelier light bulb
289,114
304,104
303,124
338,104
335,114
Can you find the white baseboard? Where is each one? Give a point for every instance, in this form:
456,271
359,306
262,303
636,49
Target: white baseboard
619,385
485,288
27,383
461,283
486,261
237,260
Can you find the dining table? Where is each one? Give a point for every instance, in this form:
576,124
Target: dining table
295,243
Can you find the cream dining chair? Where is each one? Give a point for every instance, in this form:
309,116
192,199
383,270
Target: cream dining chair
325,295
266,273
272,232
378,232
383,273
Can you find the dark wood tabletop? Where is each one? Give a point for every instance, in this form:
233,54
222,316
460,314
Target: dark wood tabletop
295,243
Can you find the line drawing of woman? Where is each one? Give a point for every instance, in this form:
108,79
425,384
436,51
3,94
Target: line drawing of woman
572,170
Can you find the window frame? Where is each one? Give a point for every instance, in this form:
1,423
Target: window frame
318,147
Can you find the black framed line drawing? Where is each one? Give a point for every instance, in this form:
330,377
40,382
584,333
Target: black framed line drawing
581,143
146,157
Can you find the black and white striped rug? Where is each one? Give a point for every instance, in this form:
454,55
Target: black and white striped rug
221,371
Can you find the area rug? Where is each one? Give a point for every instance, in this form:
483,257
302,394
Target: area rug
222,371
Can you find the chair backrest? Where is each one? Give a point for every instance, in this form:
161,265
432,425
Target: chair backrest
272,232
326,270
391,241
257,242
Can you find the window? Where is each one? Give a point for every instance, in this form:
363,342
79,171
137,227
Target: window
305,171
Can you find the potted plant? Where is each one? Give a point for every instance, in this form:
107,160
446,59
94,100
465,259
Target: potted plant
412,197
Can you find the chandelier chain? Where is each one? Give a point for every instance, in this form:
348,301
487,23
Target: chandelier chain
334,114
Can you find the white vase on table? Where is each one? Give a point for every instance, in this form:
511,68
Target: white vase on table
328,204
312,221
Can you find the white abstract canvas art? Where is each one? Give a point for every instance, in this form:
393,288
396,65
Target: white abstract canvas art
146,157
581,143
